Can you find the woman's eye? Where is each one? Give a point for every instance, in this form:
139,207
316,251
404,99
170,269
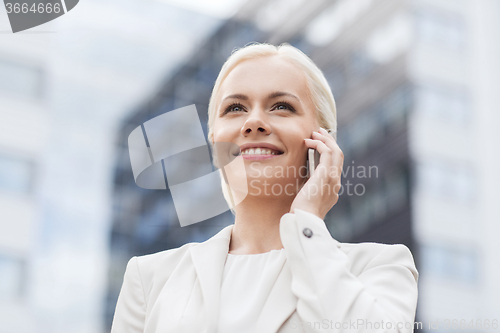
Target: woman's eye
234,108
283,106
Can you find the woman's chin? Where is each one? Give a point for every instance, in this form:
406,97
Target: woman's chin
273,187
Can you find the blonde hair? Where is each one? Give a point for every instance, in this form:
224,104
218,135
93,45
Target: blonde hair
319,89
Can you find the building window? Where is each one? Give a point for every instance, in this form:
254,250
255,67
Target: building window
396,188
396,107
446,180
364,131
442,29
450,104
340,225
16,175
450,262
362,215
360,65
11,277
332,21
268,18
390,39
154,221
336,79
21,80
377,120
343,140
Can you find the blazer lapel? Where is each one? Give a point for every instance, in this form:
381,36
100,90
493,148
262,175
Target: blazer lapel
208,259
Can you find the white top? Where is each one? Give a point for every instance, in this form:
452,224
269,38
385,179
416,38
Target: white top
246,281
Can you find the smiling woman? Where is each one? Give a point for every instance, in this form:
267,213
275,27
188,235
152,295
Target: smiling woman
297,99
277,268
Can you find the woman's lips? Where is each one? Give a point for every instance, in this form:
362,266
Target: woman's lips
259,157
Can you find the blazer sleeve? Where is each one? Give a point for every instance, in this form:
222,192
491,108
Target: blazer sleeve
382,298
130,309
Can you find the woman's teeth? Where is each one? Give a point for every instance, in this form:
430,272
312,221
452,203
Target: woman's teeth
259,151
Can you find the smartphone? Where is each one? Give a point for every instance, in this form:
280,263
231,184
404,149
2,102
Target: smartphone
313,158
312,161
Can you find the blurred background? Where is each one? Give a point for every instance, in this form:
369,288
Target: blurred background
417,90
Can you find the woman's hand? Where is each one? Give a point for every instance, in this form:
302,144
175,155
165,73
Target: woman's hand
320,192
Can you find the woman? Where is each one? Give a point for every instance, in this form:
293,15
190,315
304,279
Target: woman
277,269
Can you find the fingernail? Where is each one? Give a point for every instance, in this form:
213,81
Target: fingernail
322,129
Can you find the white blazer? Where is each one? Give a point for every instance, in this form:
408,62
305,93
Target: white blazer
335,286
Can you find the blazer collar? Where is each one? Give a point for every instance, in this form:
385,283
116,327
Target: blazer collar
209,258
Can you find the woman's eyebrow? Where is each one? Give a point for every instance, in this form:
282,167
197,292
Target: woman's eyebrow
270,96
237,96
281,93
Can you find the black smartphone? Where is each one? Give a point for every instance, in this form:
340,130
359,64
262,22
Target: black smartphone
313,158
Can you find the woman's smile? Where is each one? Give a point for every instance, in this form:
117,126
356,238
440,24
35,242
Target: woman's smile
259,151
258,155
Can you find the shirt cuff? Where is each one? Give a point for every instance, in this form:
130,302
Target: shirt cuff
305,220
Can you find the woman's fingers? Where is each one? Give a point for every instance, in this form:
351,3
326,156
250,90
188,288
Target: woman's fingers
322,148
337,154
320,192
328,136
330,141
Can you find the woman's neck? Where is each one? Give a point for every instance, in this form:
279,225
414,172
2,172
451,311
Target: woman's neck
256,226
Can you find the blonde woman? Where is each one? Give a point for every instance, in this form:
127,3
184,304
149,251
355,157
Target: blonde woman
277,268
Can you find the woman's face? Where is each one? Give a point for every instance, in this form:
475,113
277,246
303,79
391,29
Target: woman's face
265,101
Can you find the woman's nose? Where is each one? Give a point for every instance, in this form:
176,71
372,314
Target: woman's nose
256,123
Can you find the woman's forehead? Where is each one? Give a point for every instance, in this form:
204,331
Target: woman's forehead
262,74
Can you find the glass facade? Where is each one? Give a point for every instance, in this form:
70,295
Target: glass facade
12,275
21,80
16,175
